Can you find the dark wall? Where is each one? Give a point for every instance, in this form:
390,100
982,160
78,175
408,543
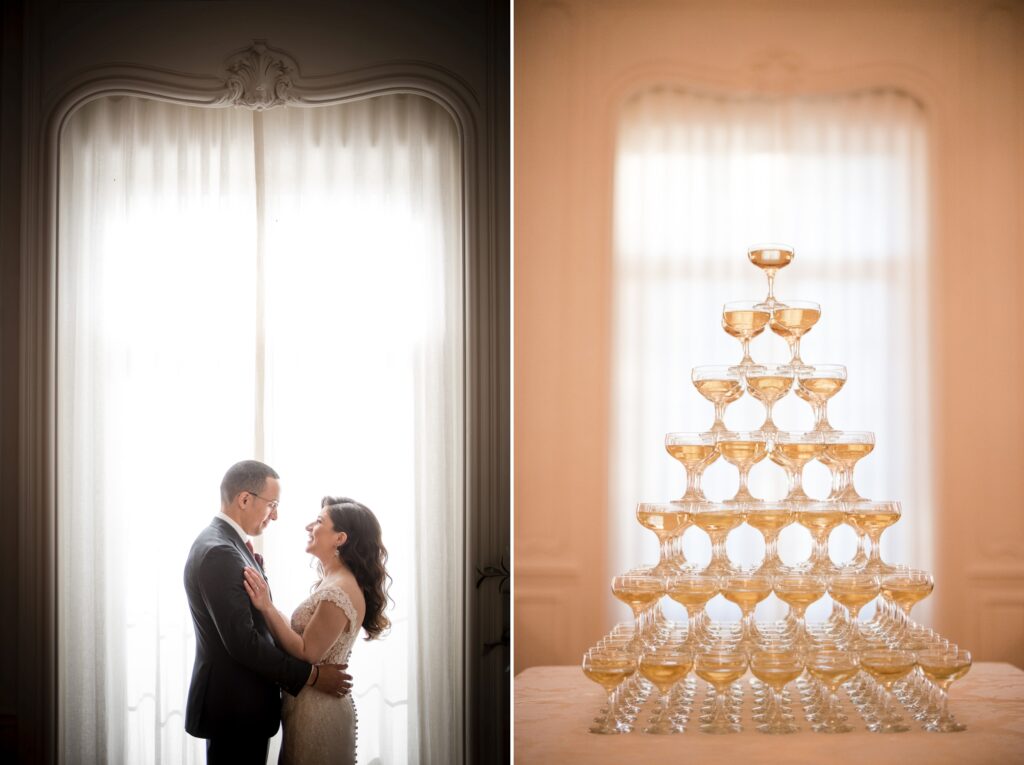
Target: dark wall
11,30
46,45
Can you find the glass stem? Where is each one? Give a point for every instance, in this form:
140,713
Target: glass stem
821,416
943,704
837,481
796,482
721,714
794,346
613,708
692,483
771,286
664,709
719,556
719,417
664,550
747,360
771,550
875,561
743,492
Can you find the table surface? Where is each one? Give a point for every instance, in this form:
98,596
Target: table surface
554,706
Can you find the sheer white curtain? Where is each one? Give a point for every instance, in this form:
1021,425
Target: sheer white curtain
699,178
284,285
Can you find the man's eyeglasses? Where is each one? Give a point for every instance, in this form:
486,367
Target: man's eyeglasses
271,503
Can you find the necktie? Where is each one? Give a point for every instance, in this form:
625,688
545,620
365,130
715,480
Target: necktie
256,555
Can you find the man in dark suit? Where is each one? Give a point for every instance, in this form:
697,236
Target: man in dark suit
234,699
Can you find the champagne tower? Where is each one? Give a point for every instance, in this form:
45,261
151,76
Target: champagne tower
886,673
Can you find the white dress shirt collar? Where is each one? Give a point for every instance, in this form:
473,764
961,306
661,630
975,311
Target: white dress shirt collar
235,526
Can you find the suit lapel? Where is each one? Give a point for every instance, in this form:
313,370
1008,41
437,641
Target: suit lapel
231,536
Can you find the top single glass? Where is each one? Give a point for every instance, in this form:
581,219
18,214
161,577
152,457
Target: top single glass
770,257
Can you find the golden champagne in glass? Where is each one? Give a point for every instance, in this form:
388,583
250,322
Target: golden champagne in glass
775,668
820,518
873,518
719,385
770,258
744,320
943,666
845,448
664,667
887,666
768,383
693,590
770,518
791,322
832,668
853,590
609,668
798,591
667,520
743,450
641,592
793,450
746,591
717,519
906,588
721,666
816,385
694,451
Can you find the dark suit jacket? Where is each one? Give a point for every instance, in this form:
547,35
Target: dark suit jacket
238,672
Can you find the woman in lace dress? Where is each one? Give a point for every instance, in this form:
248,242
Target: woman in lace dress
352,592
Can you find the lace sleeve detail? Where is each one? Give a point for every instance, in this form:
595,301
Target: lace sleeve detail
340,598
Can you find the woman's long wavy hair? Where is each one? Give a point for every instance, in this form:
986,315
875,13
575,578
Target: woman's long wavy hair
365,555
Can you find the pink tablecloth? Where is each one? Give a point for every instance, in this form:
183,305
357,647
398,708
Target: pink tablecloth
554,707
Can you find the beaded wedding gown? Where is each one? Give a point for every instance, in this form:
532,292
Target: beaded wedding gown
319,728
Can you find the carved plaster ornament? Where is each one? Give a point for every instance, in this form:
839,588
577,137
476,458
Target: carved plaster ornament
259,78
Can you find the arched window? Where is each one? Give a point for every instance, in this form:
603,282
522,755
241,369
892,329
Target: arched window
699,178
285,285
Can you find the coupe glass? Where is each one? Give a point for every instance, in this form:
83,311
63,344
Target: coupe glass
873,518
792,451
770,258
743,450
717,519
609,667
791,322
768,383
820,518
816,385
665,666
770,518
746,590
853,590
745,320
694,451
887,666
719,385
775,668
843,449
905,588
692,591
832,668
943,666
798,591
641,592
721,666
667,520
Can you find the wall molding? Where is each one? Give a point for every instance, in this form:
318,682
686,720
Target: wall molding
261,77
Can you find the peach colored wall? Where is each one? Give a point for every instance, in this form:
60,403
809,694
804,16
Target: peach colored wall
574,62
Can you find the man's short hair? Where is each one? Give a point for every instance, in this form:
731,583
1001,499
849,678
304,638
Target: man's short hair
247,475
